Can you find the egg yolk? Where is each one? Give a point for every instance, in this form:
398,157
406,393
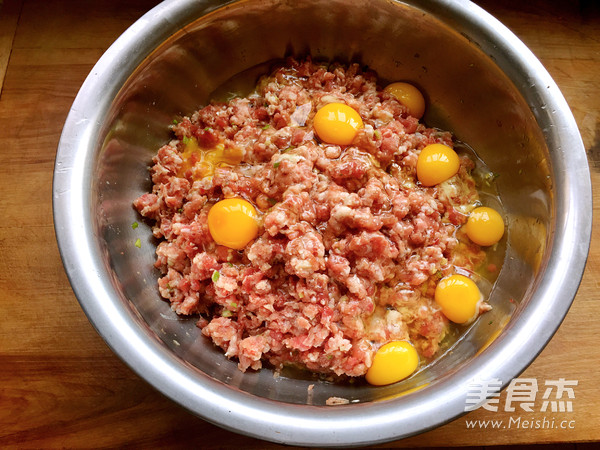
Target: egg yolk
485,226
409,96
436,163
459,298
200,162
393,362
337,123
232,223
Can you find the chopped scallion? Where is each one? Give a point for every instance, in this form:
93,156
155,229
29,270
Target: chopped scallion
134,225
138,243
215,276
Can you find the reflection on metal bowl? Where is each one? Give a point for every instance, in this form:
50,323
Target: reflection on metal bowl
480,82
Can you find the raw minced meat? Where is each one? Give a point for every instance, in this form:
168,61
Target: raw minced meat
350,245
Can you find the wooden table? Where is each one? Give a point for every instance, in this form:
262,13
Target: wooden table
61,386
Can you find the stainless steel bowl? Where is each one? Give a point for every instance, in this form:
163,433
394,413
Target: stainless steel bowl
481,82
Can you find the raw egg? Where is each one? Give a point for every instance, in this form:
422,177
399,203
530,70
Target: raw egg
232,223
409,96
393,362
201,162
485,226
459,298
337,123
436,163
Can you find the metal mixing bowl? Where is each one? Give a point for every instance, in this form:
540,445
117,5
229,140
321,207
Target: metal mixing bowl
481,83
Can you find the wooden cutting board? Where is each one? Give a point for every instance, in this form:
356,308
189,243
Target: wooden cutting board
61,386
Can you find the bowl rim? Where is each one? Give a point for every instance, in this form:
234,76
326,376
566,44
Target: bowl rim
347,425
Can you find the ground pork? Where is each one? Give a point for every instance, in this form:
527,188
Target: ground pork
349,243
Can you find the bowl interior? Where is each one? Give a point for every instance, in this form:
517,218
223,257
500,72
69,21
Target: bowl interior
466,91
